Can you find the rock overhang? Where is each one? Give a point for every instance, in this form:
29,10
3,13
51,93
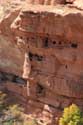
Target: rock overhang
59,20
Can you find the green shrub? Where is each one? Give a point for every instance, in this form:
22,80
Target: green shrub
72,115
12,114
15,110
2,101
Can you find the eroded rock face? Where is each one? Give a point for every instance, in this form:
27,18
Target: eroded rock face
78,4
45,2
47,44
49,2
11,59
54,53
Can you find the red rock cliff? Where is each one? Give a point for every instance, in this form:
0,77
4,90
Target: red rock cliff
45,43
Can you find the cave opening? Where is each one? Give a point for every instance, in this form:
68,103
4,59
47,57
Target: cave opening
74,45
68,2
46,42
40,90
4,77
66,66
54,42
30,56
35,56
39,58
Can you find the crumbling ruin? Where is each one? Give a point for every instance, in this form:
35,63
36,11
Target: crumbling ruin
47,40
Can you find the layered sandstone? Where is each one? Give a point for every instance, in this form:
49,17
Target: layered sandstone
54,53
44,42
10,56
49,2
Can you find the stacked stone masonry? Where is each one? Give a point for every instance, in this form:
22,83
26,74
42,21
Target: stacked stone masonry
48,45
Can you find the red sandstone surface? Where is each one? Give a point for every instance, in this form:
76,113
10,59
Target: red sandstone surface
42,41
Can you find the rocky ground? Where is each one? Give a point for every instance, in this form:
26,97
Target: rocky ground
12,111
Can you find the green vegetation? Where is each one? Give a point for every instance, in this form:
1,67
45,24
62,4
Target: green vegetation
72,115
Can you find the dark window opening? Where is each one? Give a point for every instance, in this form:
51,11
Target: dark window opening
60,43
30,56
66,66
46,42
39,58
74,45
35,56
54,42
27,39
40,91
21,37
68,2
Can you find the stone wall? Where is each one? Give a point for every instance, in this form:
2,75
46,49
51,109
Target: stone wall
47,46
52,42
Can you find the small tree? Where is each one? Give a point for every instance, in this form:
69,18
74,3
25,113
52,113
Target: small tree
72,115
